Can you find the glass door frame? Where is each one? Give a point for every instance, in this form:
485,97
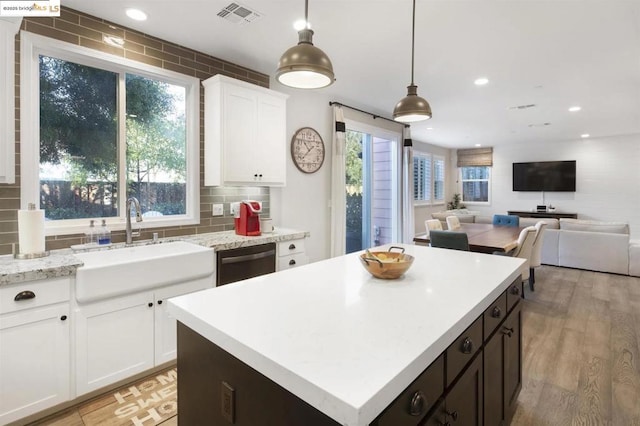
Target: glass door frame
367,177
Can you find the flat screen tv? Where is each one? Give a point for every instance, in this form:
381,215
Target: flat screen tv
554,176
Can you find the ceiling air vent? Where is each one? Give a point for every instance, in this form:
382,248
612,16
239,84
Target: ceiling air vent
239,14
522,106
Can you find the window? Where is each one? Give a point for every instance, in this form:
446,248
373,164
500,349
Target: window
476,184
108,129
428,178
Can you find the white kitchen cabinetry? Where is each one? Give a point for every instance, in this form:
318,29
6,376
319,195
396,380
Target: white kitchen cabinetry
117,338
34,347
291,254
245,134
8,30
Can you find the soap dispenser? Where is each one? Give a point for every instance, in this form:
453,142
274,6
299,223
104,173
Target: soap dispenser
104,236
90,235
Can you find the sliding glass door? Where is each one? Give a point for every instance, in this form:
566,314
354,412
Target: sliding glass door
372,187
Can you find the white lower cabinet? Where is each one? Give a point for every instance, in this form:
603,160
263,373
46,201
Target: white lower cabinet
291,254
34,347
114,340
120,337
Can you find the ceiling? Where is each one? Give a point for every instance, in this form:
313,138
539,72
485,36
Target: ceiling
549,53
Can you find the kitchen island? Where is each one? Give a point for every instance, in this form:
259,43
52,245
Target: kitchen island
330,344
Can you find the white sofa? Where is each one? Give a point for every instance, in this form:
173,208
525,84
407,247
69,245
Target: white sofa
586,244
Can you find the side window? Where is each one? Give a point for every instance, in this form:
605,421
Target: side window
476,184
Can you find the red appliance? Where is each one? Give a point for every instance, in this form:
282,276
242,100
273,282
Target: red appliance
247,219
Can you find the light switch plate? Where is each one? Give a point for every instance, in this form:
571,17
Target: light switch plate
217,209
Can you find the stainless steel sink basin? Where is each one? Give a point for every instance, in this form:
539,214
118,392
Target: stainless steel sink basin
127,270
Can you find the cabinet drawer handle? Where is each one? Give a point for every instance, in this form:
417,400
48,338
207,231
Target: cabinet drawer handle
292,246
292,262
467,346
515,290
159,302
150,304
508,331
24,295
453,414
418,402
63,318
497,312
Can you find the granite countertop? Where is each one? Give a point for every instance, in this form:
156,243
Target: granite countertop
347,343
63,262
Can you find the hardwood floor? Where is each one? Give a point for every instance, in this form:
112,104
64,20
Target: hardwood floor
581,344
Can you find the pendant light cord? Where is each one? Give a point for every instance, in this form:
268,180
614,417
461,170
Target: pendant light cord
413,39
306,13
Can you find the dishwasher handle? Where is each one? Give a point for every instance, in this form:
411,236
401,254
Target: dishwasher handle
248,257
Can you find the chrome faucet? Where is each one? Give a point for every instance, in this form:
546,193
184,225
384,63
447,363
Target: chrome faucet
130,234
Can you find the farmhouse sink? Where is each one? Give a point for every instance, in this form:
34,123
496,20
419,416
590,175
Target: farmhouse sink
127,270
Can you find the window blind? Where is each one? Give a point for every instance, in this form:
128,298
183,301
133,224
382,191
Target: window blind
475,157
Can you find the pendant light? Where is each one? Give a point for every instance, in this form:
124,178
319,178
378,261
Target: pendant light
304,66
412,107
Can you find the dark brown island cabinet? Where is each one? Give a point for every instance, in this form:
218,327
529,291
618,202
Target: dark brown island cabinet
476,381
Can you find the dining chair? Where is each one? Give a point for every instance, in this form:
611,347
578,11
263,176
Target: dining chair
449,240
506,220
432,225
536,252
453,223
523,250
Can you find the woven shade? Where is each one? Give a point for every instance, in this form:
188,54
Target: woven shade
475,157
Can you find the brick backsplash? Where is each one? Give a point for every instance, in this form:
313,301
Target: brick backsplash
85,30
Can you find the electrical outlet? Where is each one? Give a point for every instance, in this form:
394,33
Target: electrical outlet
227,402
235,208
217,209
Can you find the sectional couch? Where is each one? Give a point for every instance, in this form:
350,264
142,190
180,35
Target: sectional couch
582,244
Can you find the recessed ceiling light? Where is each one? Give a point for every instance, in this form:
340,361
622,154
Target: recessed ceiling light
136,14
585,135
478,145
429,128
575,108
481,81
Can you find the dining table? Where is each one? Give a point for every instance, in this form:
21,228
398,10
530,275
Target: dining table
483,237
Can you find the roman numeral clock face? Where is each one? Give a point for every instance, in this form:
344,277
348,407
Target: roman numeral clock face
307,150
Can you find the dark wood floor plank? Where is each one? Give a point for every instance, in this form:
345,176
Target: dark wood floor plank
564,371
556,406
525,414
594,392
625,369
69,417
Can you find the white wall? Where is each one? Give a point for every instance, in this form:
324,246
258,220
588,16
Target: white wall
304,203
607,179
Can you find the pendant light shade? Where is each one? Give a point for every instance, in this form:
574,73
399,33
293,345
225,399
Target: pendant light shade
304,66
412,107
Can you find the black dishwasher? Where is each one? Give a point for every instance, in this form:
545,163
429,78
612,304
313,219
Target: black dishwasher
245,262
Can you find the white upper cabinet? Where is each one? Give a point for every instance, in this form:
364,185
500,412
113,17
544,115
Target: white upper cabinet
8,29
245,134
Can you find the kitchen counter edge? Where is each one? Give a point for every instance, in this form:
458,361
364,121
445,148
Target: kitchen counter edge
62,263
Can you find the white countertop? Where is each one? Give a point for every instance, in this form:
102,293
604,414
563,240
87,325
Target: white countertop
341,340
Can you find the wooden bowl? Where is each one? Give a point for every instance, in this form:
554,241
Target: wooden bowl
387,265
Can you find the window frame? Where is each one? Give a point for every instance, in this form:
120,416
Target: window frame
432,158
31,47
488,180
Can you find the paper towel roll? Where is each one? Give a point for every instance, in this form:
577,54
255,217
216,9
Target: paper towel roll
31,231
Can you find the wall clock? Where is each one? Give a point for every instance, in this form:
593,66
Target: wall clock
307,150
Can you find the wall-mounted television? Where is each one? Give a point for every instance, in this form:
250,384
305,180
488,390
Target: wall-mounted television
558,176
